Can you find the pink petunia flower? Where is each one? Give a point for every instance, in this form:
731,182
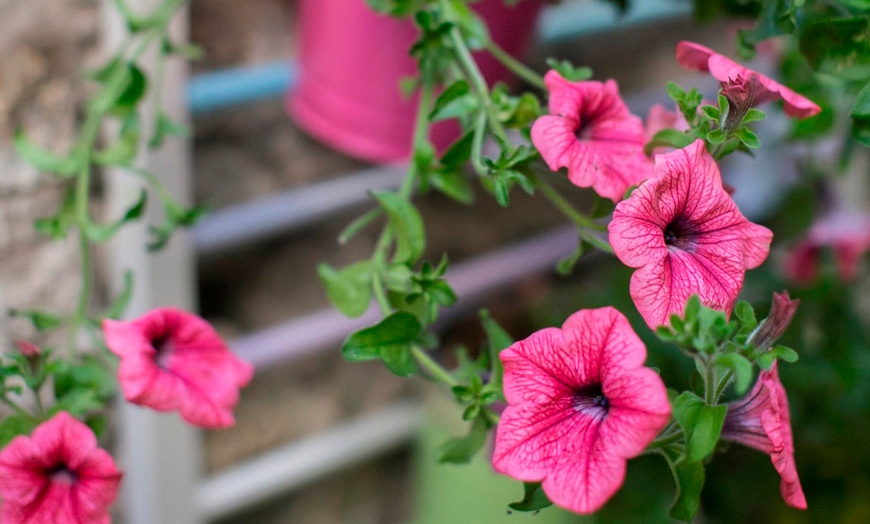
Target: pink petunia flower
580,403
762,421
58,475
686,236
845,232
172,359
591,132
697,57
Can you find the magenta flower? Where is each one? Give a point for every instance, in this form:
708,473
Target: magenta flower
591,132
580,403
845,232
762,421
695,56
58,475
172,359
686,236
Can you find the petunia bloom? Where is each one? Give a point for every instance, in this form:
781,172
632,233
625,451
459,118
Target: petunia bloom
845,232
762,421
686,236
580,403
172,359
58,475
591,132
699,58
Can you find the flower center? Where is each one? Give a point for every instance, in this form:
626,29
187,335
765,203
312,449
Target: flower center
591,400
62,474
583,131
164,347
678,234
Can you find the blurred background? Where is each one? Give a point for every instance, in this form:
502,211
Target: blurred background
322,441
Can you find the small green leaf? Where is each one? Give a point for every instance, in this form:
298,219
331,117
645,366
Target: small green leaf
165,127
534,498
389,340
103,232
89,374
740,366
43,159
753,115
459,152
748,138
566,264
41,320
766,359
668,138
349,289
711,112
716,136
744,312
406,224
454,184
78,402
689,477
454,102
568,71
676,92
461,450
701,424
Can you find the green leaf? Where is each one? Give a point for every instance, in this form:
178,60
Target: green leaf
406,224
566,264
455,101
13,425
57,226
89,374
860,114
125,148
397,8
497,339
103,232
748,138
461,450
753,115
43,159
349,289
389,340
668,138
41,320
711,112
765,360
716,136
740,366
165,127
78,402
534,498
459,152
473,29
136,86
568,71
689,477
676,92
454,184
744,312
701,424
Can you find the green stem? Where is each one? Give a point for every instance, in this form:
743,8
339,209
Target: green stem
584,224
515,65
665,440
720,388
433,368
709,383
378,289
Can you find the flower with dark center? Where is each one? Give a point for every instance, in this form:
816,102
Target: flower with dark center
580,403
172,359
58,475
686,236
591,132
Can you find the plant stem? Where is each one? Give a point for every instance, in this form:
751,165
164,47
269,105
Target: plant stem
433,368
584,224
515,65
720,388
665,440
709,383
